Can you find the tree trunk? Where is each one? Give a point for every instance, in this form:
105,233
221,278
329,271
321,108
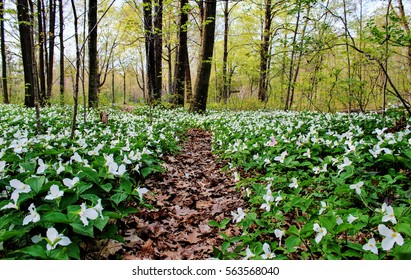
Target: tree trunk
61,36
290,86
300,53
199,103
149,46
94,79
264,54
50,60
77,79
225,94
25,30
406,27
158,49
41,39
3,56
182,55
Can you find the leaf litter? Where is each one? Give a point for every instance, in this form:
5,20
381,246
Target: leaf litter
191,193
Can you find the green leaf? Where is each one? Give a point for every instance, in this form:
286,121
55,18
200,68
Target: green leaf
126,185
403,252
36,183
292,242
83,230
36,251
106,187
8,234
146,171
82,188
90,174
101,223
118,197
73,251
293,230
404,228
55,217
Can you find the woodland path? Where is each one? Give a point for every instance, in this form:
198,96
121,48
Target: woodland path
192,192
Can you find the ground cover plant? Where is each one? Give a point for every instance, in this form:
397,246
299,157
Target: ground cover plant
318,186
321,186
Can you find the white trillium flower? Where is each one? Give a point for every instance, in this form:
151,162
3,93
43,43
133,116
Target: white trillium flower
294,183
321,232
54,193
41,166
2,166
388,212
339,220
281,158
267,252
278,198
347,162
351,219
237,217
19,186
357,187
54,239
279,234
141,192
87,213
99,208
248,253
323,207
69,183
33,216
371,246
391,237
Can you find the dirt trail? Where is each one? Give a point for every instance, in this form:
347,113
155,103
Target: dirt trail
191,193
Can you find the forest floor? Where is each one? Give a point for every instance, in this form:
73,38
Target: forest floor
191,193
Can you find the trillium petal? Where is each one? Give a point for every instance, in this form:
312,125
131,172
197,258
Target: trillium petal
27,219
64,241
384,231
52,234
399,239
387,243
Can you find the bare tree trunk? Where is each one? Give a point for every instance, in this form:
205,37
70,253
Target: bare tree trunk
113,99
77,79
61,37
3,56
41,40
300,52
50,60
225,94
94,79
25,30
158,49
149,46
264,67
199,103
290,86
406,27
350,93
182,56
124,88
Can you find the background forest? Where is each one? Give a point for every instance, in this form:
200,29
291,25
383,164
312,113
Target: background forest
295,55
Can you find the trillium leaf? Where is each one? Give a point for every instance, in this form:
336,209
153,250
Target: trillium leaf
101,223
36,251
55,217
8,234
83,230
36,183
291,242
404,228
107,187
118,198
